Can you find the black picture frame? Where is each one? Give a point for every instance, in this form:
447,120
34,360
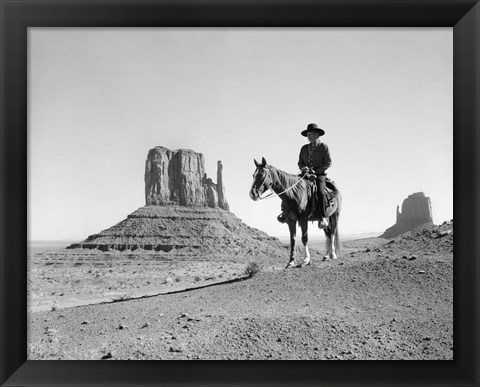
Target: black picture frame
18,15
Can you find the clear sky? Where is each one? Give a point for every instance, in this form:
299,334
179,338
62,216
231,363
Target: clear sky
99,99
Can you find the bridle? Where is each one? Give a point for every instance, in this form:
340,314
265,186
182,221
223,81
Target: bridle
274,194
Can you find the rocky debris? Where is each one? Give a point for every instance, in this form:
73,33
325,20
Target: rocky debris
416,211
362,307
186,230
425,240
178,178
388,312
443,233
108,355
51,331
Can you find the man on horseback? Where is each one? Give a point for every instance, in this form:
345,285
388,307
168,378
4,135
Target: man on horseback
314,158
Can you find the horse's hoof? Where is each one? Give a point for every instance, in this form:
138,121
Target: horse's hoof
290,265
326,258
304,264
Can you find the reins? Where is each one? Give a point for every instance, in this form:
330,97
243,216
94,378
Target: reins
274,194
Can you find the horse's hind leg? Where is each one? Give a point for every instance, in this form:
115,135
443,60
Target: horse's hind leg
304,228
330,237
292,226
328,243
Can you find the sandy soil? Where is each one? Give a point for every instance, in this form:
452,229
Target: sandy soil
382,300
59,279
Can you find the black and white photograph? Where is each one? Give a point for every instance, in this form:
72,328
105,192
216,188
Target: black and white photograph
230,193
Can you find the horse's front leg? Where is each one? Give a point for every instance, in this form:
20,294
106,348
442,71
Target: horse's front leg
304,228
292,226
333,242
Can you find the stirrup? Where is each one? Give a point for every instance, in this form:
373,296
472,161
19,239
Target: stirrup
282,218
323,223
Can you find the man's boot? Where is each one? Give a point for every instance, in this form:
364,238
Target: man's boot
323,223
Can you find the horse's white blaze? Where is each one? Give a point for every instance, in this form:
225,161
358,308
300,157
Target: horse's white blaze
252,196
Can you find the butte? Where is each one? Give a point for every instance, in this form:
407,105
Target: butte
186,213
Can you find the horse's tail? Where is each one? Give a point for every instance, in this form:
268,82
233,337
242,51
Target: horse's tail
338,246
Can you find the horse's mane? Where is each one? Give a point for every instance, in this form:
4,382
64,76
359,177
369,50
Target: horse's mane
300,191
287,179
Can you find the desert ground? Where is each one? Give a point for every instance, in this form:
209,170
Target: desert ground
381,300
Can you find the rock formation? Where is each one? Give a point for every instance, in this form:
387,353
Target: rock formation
416,211
186,214
222,201
184,230
178,178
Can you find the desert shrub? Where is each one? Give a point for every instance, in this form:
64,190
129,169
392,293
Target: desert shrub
197,279
253,268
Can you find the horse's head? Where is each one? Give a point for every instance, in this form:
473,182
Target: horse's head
262,180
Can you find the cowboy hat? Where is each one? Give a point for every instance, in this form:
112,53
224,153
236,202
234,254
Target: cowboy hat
313,128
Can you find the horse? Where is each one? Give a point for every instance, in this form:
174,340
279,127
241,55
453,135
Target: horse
296,195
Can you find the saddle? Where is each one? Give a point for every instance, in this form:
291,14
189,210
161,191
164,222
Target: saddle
331,192
331,186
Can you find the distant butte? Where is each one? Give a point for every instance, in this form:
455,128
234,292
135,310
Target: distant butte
416,211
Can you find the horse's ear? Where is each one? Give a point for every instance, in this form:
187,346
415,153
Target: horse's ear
264,162
256,163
